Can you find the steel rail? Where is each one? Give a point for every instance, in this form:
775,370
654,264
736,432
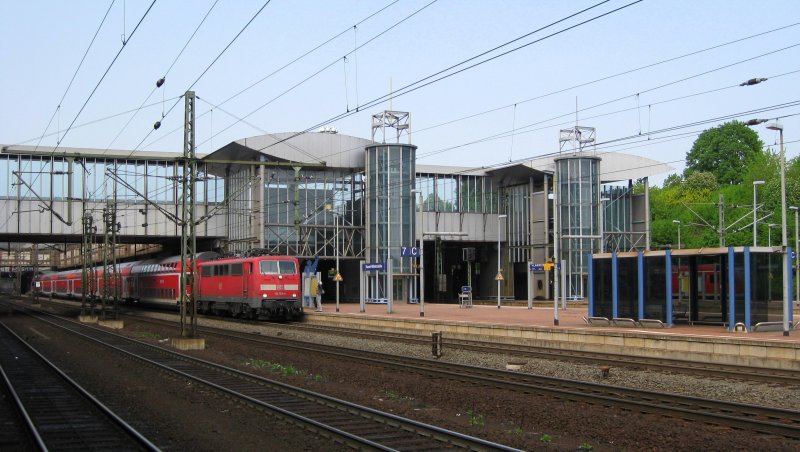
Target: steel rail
332,418
758,418
36,376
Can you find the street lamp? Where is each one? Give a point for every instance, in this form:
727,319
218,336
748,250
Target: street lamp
338,277
602,222
421,257
796,251
779,127
499,277
755,212
769,233
678,222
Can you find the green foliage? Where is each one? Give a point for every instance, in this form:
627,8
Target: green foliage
700,184
475,418
694,201
280,368
545,438
149,335
724,151
585,446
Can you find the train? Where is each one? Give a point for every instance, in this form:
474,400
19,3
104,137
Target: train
251,286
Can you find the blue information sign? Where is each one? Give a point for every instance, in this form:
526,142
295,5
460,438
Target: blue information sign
537,267
409,251
374,266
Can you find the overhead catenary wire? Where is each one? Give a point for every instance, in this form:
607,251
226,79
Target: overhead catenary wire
323,69
75,74
426,81
160,82
91,94
219,55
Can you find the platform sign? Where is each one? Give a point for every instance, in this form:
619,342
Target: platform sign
374,266
546,267
466,289
409,251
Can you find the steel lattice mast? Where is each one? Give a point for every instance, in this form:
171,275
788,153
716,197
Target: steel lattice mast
188,234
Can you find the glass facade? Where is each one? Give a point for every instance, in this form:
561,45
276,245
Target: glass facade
578,195
52,177
457,193
390,210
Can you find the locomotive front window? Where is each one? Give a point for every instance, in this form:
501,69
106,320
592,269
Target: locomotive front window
287,267
269,267
278,267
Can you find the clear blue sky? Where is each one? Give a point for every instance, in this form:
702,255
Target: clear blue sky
44,41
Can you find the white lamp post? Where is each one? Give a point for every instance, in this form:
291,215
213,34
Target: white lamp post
421,257
769,233
499,277
796,253
678,222
602,223
338,277
779,127
755,212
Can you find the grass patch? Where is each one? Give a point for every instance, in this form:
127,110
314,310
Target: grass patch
149,335
279,368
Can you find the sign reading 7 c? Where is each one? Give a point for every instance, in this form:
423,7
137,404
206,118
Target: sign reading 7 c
409,251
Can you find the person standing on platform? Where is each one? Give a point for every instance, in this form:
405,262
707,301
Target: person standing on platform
318,298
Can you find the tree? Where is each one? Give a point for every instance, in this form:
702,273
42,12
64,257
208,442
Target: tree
725,151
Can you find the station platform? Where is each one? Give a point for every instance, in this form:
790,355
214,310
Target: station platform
515,323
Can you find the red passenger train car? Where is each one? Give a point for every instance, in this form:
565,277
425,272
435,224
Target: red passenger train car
252,287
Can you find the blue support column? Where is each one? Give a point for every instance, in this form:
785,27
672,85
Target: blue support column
591,286
731,290
614,286
790,273
748,321
640,262
668,273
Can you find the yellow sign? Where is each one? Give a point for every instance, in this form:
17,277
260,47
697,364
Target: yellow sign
548,266
338,277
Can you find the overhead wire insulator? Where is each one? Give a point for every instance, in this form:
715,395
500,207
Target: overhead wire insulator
753,81
160,82
156,125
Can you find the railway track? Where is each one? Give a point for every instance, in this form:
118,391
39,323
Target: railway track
774,421
345,423
723,371
677,366
54,412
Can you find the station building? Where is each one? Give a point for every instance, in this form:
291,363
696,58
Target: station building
347,201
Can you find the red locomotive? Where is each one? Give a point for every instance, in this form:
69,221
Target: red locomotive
252,286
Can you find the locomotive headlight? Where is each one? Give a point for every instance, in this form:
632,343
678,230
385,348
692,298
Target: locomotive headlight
263,295
294,295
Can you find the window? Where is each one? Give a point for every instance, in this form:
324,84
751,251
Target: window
269,267
236,269
287,268
278,267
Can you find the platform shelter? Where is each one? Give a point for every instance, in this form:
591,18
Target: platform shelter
727,286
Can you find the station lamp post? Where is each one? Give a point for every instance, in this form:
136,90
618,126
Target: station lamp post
499,277
678,222
338,277
769,233
796,253
779,127
756,183
421,257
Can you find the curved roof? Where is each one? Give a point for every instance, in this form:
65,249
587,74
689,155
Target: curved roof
332,149
345,151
